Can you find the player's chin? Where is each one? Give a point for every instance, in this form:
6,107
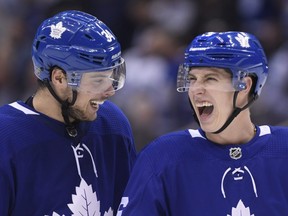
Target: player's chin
92,117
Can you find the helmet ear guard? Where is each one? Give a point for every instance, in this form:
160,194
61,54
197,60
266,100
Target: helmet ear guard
240,86
239,82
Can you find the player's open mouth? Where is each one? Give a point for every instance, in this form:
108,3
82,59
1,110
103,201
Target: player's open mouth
204,108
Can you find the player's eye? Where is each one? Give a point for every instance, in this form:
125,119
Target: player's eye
211,78
191,78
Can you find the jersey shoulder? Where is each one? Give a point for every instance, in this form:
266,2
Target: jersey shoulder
15,115
178,140
111,119
17,127
277,130
276,138
171,149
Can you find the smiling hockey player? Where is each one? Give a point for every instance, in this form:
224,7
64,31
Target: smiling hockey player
67,150
227,167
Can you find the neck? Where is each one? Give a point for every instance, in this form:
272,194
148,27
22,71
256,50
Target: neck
241,130
45,103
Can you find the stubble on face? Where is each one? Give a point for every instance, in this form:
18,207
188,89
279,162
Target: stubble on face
81,114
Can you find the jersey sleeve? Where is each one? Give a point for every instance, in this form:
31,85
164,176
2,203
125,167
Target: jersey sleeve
5,188
144,192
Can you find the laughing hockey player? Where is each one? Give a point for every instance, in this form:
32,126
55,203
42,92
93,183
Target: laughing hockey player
229,166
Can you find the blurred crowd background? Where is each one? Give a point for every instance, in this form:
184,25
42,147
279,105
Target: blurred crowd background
153,35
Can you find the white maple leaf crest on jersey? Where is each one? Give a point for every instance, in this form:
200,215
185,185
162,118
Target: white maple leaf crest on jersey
241,210
85,203
57,30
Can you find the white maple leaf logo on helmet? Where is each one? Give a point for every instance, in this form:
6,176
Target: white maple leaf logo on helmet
243,40
57,30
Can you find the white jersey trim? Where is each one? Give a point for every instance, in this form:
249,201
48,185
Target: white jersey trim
195,133
23,109
264,130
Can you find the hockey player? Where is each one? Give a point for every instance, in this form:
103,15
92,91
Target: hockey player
67,150
229,166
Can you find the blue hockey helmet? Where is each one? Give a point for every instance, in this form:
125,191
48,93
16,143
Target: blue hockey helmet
78,43
239,52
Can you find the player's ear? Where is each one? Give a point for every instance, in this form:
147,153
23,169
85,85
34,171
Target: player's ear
58,76
243,95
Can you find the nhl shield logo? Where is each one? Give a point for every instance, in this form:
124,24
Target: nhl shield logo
235,153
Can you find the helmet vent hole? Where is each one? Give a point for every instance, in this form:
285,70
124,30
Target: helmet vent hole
201,40
88,36
220,56
222,44
41,38
37,45
94,59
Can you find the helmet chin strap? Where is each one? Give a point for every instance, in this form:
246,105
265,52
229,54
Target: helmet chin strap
64,108
235,112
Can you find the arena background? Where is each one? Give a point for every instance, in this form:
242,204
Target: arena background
153,34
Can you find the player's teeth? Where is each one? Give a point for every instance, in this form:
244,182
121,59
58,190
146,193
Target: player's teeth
207,104
93,103
204,104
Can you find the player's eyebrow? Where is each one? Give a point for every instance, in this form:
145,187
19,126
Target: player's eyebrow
213,74
99,74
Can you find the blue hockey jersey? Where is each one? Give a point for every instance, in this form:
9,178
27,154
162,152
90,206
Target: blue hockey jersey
184,174
44,171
